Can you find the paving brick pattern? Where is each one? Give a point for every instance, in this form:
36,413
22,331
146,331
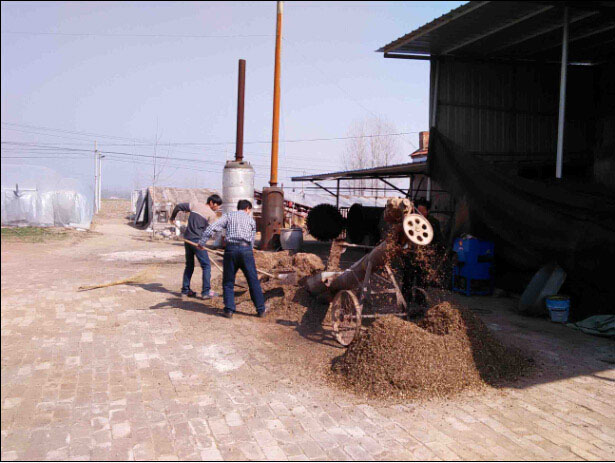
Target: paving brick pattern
92,376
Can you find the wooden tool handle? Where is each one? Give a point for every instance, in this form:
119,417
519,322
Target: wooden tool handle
222,254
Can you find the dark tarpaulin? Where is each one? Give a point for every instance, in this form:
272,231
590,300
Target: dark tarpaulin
533,223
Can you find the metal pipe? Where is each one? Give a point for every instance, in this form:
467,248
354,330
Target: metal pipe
562,99
276,99
337,194
241,88
434,103
434,117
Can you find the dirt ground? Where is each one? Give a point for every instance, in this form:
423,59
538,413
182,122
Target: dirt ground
137,372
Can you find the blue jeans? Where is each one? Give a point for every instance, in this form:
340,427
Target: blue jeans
203,259
240,257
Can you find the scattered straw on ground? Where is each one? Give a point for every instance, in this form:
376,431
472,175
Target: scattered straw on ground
268,261
335,255
286,302
445,352
306,264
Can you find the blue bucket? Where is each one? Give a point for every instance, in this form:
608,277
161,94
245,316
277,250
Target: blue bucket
559,308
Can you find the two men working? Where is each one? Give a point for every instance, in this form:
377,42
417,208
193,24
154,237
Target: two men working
240,234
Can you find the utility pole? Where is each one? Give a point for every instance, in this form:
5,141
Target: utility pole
100,158
273,197
154,188
96,205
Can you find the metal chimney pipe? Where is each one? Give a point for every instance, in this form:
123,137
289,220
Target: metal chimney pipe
241,89
276,98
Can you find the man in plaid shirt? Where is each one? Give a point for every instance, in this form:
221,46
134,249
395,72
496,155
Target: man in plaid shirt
240,233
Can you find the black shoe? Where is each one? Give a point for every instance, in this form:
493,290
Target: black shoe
261,313
227,314
189,294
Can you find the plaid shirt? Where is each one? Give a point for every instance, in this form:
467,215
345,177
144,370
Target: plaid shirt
240,228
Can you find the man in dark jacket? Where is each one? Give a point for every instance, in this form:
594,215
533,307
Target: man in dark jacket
201,216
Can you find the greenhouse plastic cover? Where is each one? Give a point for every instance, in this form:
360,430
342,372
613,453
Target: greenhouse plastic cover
39,196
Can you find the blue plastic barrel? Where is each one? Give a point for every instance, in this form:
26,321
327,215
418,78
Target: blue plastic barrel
559,308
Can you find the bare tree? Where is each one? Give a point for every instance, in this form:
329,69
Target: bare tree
371,145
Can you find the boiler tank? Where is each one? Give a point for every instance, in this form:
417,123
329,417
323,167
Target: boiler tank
237,183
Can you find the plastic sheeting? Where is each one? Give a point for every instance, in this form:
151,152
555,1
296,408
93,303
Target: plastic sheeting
598,325
39,196
166,199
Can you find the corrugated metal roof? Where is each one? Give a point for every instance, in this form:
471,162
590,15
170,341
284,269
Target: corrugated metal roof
393,171
515,30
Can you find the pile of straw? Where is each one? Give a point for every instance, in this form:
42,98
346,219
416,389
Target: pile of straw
445,352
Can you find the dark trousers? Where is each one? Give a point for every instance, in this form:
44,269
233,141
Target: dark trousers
240,257
203,258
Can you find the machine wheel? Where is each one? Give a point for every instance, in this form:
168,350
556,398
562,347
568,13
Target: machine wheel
346,316
418,229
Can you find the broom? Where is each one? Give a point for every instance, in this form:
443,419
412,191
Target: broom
144,276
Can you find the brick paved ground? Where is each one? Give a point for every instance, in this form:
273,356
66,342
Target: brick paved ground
135,373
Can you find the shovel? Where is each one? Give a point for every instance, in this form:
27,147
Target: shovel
287,277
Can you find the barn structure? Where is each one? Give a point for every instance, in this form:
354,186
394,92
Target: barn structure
522,135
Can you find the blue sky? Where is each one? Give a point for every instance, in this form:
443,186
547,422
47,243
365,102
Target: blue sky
126,74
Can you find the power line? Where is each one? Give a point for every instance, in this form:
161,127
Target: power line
222,142
75,150
163,36
37,146
310,62
147,156
324,165
41,157
194,169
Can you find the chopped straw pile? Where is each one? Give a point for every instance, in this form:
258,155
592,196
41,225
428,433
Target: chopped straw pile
445,352
286,302
335,255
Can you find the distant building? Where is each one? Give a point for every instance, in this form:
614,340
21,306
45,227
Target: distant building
420,155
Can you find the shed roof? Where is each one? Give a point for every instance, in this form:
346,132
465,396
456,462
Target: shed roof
393,171
515,31
180,195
